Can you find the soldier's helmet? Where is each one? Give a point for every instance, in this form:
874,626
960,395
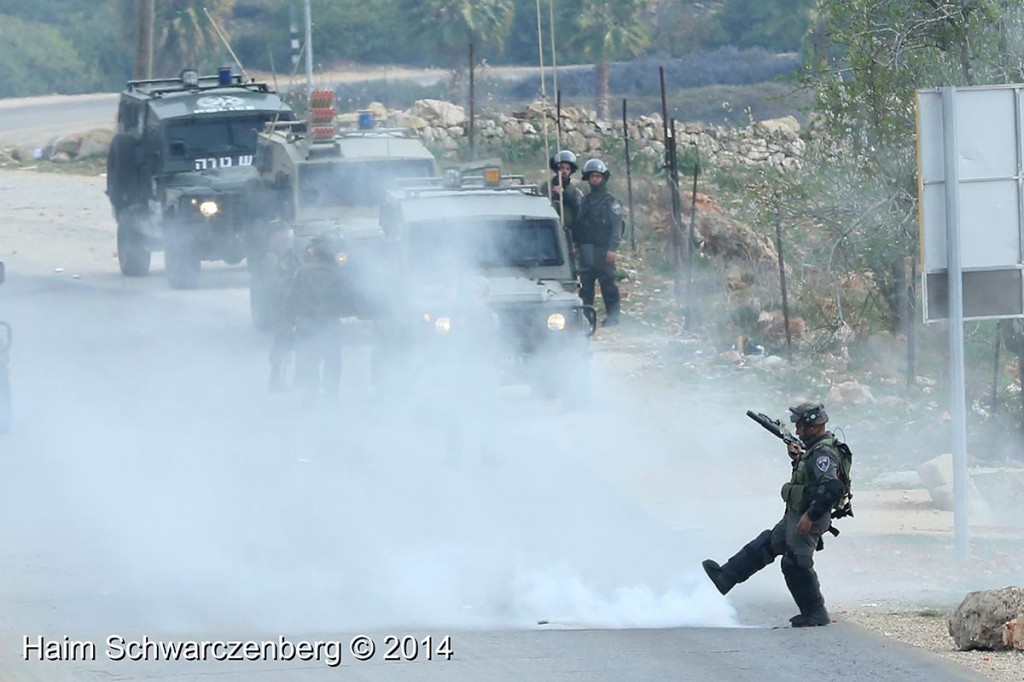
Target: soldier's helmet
564,156
329,247
596,166
808,414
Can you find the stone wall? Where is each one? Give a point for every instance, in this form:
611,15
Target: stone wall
776,142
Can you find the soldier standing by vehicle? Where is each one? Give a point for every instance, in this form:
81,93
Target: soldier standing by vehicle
314,301
566,199
813,491
278,267
597,232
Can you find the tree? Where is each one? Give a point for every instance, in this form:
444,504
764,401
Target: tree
185,38
448,27
37,60
605,30
356,30
866,59
777,25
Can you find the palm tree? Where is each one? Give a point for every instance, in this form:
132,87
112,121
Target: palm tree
606,30
184,36
454,24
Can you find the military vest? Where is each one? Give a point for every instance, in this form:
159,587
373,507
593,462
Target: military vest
597,221
803,477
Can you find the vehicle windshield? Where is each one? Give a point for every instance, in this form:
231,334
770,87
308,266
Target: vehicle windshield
445,245
214,137
351,183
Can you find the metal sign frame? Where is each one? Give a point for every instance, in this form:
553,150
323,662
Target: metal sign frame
990,199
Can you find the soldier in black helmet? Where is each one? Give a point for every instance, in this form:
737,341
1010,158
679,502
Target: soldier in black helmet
314,300
812,492
565,197
597,232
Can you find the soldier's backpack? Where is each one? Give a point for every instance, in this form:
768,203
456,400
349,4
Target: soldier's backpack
843,506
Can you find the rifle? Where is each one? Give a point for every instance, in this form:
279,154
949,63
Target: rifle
774,426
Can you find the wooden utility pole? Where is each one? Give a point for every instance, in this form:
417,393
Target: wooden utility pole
143,67
472,103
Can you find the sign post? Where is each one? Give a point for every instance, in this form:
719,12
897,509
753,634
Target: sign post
970,183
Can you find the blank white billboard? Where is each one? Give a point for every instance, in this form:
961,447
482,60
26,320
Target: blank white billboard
989,161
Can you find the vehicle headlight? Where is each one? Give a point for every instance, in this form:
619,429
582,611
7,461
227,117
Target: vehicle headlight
443,325
342,258
556,322
208,208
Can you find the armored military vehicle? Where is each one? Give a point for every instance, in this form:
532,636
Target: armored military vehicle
316,178
5,377
483,288
178,166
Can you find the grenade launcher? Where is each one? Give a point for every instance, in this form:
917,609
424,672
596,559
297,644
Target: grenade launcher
774,426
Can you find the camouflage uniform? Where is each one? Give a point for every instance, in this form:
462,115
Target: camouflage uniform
814,489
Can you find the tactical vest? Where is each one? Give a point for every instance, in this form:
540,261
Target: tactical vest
596,221
802,478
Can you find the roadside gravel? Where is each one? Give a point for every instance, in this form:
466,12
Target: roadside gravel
927,628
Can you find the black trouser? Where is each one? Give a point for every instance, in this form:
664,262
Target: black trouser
603,273
318,343
797,553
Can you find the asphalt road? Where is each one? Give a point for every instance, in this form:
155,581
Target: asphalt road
33,121
153,488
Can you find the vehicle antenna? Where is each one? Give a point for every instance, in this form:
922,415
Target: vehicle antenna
224,40
543,87
554,74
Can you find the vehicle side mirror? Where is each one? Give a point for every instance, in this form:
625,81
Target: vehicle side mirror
3,274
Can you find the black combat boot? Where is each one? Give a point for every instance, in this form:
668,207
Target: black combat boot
814,619
754,556
804,586
720,580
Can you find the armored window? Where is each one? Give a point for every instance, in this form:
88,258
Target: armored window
357,183
484,243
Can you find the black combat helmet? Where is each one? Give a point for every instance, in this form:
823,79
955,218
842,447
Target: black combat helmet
329,246
808,414
596,166
564,156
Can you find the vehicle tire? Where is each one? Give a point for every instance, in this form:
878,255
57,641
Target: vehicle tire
6,403
132,254
182,265
259,301
122,172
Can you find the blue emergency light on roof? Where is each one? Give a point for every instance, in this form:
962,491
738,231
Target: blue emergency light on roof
224,75
365,120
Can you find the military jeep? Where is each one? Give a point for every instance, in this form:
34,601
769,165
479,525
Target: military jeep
178,167
483,289
317,179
